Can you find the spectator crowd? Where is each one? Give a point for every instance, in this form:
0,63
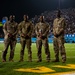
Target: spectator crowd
68,14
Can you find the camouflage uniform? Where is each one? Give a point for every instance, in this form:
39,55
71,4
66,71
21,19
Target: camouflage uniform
10,31
25,28
58,31
42,28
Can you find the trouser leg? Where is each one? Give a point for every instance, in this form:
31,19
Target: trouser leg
62,49
39,46
22,50
28,42
46,47
6,45
56,48
12,49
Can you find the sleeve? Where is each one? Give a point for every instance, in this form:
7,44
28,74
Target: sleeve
54,27
5,28
31,29
16,29
36,30
19,28
63,27
47,30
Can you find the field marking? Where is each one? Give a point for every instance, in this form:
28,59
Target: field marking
63,73
41,69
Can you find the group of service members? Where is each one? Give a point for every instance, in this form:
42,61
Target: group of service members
25,30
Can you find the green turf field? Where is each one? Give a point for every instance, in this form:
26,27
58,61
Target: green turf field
34,68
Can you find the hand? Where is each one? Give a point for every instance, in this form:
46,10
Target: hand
56,35
9,35
27,37
23,35
43,37
40,35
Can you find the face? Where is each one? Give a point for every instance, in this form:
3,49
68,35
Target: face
41,18
25,17
12,18
58,14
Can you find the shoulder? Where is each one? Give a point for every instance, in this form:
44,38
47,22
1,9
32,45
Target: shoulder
7,23
30,22
37,23
16,23
21,22
47,23
63,19
55,19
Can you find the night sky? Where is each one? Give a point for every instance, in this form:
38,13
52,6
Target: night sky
31,7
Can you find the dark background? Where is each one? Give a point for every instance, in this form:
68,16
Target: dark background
31,7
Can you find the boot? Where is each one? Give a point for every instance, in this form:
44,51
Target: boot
40,60
21,60
56,60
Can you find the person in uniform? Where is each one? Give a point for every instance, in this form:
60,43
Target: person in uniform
10,31
58,43
42,30
25,30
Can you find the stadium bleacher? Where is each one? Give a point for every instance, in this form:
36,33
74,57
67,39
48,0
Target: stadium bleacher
68,14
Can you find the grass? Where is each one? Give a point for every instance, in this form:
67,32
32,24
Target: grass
7,68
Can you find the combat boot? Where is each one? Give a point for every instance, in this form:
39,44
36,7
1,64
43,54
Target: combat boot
63,60
4,56
30,58
40,60
11,60
21,60
56,60
48,60
3,60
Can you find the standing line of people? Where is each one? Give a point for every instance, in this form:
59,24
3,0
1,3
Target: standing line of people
25,30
